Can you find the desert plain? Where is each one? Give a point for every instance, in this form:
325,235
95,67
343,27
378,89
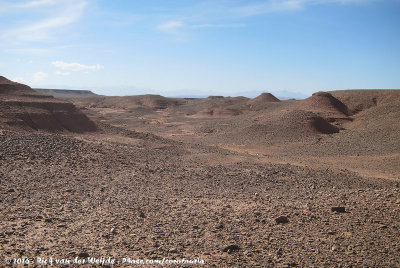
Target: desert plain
231,181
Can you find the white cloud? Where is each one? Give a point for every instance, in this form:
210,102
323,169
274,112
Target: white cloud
272,6
64,13
39,77
62,73
170,26
35,3
74,66
9,7
18,79
234,25
28,51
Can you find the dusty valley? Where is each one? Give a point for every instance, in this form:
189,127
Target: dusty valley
231,181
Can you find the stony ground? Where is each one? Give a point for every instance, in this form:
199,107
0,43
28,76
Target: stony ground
144,197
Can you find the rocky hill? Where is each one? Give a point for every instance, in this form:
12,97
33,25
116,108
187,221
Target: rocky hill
23,108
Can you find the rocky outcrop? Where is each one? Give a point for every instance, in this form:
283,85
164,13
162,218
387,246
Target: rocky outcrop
23,108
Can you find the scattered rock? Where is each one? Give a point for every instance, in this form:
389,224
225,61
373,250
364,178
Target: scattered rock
230,248
220,226
10,232
173,250
142,215
382,226
213,201
290,264
247,253
83,255
281,220
338,209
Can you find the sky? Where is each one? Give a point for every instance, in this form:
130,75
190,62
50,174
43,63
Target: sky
201,47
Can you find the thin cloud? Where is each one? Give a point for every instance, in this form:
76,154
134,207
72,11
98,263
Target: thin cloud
270,7
36,3
235,25
74,66
63,73
170,26
28,51
273,6
39,77
10,7
18,79
66,13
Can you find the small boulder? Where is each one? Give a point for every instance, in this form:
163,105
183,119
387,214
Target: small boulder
220,226
382,226
173,250
230,248
83,255
142,215
281,220
338,209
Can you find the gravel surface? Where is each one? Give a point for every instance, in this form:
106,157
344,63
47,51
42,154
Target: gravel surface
63,197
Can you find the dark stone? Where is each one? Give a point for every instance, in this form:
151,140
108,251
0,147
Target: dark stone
141,214
339,209
83,255
382,226
230,248
173,250
281,220
220,226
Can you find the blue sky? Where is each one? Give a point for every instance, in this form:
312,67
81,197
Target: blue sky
201,47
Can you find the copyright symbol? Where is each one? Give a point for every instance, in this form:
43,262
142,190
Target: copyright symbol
8,261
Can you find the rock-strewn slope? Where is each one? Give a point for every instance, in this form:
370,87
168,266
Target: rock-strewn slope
65,197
